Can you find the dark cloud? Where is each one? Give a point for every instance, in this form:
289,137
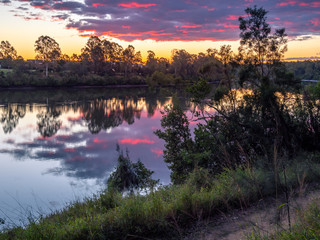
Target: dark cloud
185,20
5,1
67,6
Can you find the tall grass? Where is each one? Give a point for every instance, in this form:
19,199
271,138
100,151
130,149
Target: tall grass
306,227
167,212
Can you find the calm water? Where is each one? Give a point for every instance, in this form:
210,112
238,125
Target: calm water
58,146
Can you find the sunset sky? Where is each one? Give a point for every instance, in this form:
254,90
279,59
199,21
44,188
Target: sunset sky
158,25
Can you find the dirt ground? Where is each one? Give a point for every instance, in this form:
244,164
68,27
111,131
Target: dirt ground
264,217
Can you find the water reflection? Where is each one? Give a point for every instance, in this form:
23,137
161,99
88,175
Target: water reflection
81,133
48,123
10,116
67,140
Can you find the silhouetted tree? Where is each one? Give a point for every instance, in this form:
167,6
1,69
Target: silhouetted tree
182,63
47,50
129,176
129,58
7,51
94,52
261,51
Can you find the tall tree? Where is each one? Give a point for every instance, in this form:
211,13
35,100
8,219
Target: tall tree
47,50
128,58
112,55
7,51
152,61
94,52
182,63
261,50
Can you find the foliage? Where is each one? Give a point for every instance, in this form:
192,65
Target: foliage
268,122
261,51
165,213
161,79
94,52
7,51
47,48
308,70
129,176
178,140
307,226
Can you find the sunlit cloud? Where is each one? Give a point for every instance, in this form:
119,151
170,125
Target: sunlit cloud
182,20
136,141
158,152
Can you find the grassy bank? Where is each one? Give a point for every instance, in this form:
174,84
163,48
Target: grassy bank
169,211
306,227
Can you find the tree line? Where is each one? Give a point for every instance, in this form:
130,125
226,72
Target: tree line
104,58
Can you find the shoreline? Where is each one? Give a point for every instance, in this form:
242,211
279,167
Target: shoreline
74,87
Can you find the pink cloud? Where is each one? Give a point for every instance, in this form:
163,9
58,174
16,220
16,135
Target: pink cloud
136,141
136,5
98,4
157,151
315,22
191,26
96,140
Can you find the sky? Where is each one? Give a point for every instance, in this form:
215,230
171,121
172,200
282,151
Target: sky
157,25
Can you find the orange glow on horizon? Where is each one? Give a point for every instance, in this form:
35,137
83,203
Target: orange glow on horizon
70,42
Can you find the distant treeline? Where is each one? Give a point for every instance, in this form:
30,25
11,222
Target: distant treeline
104,62
309,70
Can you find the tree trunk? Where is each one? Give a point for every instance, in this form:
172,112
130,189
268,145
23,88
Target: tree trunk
46,69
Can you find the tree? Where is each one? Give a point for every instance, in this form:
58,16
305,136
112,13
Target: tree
7,51
129,176
178,140
94,52
112,51
48,50
182,63
261,51
128,58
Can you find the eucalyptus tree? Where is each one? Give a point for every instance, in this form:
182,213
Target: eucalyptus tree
7,51
130,57
112,55
261,49
182,62
7,54
94,52
152,61
47,50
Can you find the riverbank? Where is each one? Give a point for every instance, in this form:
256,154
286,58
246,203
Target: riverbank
264,219
170,211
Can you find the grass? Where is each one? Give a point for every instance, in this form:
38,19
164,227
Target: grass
167,212
306,227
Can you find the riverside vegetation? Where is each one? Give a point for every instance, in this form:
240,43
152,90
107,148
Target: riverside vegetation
261,141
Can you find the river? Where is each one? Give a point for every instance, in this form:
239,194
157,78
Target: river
58,146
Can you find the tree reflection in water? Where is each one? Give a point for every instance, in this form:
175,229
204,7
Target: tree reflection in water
105,114
48,123
11,115
100,109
